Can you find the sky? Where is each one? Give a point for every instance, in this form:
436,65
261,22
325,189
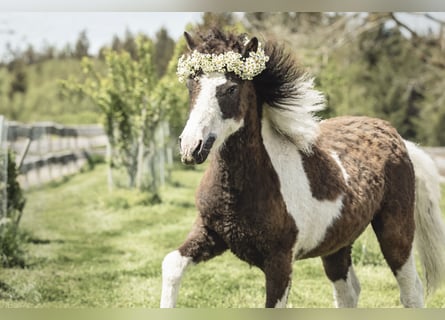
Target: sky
59,28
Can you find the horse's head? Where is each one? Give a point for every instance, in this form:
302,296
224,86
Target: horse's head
217,74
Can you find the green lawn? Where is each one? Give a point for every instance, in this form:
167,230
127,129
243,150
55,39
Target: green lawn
90,248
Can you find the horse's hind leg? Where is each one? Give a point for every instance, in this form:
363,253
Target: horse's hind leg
395,232
201,245
339,270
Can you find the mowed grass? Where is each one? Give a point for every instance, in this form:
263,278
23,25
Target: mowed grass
90,248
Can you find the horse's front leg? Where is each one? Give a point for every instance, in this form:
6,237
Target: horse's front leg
278,271
201,244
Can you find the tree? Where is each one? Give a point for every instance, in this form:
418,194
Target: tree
164,46
82,45
116,44
19,83
124,95
170,95
379,74
67,52
293,22
129,44
218,20
369,64
49,52
17,88
30,56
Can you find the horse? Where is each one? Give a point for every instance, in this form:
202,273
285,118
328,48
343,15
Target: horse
282,185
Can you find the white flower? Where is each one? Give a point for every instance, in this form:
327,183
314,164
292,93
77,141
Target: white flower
190,65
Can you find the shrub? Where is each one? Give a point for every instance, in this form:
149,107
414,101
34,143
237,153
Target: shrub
11,239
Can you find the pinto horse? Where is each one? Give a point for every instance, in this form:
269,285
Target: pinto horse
283,185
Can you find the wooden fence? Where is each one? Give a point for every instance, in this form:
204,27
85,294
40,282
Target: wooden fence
47,151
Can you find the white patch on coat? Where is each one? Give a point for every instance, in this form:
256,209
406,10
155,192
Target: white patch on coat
342,168
411,289
206,117
346,292
173,268
281,303
312,217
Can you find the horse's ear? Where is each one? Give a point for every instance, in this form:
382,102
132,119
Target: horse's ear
252,45
190,42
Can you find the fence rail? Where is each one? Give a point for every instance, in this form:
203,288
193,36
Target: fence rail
47,151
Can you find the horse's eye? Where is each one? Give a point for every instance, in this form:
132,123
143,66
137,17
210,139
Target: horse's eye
231,89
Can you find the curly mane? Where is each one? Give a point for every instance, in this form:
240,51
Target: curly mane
285,92
289,97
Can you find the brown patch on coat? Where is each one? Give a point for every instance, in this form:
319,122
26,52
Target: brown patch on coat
194,88
325,177
394,220
336,265
228,96
202,243
234,104
380,187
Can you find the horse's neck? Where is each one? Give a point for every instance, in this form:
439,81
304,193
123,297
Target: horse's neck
243,158
239,149
241,180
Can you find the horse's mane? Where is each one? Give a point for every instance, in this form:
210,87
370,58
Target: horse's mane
284,84
289,96
284,89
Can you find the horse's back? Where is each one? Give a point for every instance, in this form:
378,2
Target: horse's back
367,147
372,153
379,174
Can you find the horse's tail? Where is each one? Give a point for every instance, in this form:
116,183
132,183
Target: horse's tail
430,228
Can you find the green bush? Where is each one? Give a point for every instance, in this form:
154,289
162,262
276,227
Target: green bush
11,245
11,239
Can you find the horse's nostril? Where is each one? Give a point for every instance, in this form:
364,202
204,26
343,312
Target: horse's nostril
198,148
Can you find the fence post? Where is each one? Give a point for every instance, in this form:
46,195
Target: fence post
50,151
3,168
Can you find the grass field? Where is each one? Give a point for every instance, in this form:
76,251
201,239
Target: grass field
89,248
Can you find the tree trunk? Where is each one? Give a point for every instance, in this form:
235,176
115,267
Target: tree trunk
161,153
109,159
141,147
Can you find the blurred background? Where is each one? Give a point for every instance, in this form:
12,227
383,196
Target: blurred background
90,112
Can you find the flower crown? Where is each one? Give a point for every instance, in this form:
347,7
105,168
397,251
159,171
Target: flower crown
245,68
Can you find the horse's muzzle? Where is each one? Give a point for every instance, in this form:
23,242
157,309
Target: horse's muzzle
201,152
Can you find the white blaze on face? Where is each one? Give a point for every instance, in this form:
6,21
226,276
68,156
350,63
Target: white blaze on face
206,117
